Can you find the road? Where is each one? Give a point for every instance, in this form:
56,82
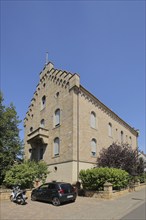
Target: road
137,214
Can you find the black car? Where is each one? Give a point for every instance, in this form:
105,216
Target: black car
55,192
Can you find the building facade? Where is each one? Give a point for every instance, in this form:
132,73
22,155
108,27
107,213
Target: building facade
67,126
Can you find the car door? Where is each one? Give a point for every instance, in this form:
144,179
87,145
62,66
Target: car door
41,192
50,192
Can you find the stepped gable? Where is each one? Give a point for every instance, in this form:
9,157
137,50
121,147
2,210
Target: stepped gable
62,78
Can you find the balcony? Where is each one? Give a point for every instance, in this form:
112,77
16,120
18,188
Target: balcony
37,135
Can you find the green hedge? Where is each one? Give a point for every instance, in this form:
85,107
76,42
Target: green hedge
142,178
94,179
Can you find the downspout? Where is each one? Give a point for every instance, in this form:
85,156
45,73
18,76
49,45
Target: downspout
78,135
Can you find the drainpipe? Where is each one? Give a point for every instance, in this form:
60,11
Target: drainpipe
78,135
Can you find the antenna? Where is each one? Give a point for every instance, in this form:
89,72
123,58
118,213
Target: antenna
46,58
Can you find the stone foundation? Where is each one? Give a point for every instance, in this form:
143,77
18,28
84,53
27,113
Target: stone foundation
5,194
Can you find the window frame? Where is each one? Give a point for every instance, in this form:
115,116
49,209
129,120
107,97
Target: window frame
93,147
93,120
43,102
110,129
42,123
57,117
56,147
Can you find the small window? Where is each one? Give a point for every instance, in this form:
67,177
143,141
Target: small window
126,139
57,118
122,137
43,104
93,147
56,147
42,123
130,140
31,129
57,95
110,130
93,120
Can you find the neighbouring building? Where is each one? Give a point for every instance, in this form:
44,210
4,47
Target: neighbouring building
67,126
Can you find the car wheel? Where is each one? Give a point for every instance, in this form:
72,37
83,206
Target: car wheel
33,198
55,201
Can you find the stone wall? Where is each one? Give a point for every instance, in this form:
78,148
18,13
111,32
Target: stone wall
5,194
110,194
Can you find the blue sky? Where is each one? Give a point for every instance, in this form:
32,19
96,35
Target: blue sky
102,41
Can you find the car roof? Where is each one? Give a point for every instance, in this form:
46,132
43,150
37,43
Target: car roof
57,182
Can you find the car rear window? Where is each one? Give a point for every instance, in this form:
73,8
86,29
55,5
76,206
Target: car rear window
67,188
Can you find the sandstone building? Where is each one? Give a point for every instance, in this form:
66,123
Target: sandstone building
67,126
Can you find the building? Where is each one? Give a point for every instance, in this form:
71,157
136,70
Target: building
67,126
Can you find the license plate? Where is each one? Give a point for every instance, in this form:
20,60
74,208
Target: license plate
70,196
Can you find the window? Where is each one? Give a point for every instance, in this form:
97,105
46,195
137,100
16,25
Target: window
44,186
110,130
42,123
122,136
117,136
130,140
43,104
93,120
126,139
56,147
93,147
57,117
57,95
31,129
41,153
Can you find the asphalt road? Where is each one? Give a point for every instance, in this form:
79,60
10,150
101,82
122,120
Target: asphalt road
137,214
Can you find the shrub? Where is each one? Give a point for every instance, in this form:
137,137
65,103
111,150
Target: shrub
142,178
94,179
26,173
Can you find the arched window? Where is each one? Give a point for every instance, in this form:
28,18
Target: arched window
31,129
130,140
126,139
42,123
43,103
122,137
57,117
56,147
93,120
110,130
93,147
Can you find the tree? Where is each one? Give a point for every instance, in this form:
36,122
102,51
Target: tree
122,157
10,143
26,173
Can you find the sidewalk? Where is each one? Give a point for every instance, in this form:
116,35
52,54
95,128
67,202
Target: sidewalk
117,208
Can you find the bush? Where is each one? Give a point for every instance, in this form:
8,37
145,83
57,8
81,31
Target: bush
142,178
26,173
94,179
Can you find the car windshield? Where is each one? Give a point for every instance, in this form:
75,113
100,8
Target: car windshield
66,187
